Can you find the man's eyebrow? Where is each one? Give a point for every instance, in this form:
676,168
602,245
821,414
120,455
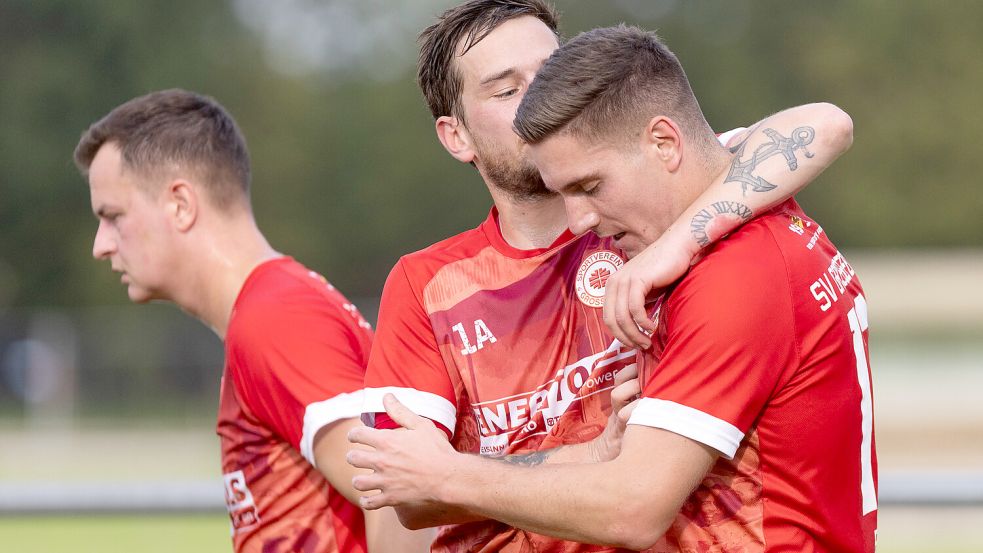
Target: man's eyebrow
498,76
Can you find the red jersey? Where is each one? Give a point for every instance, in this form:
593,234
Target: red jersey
505,348
295,352
763,356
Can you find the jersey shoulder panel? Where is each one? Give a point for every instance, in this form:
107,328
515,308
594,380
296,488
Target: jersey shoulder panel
294,341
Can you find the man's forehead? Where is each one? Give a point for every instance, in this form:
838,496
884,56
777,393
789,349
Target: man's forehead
513,44
108,159
565,160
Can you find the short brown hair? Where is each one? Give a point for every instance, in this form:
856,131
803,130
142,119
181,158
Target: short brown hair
466,24
608,80
175,127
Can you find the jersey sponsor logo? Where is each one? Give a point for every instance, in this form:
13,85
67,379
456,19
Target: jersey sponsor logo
239,501
830,285
507,420
593,275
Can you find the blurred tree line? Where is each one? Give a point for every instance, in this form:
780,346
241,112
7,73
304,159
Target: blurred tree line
348,174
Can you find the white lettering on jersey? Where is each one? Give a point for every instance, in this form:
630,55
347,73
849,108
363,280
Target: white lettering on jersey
239,501
539,410
482,335
593,274
828,288
815,237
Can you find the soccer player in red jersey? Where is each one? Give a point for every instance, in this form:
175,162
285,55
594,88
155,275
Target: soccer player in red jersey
497,334
754,431
169,181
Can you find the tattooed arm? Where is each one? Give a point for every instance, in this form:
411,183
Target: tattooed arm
604,447
413,465
772,162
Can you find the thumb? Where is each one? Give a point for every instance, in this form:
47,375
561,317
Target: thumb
625,413
399,413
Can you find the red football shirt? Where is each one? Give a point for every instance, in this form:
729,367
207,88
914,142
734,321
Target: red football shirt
295,352
505,348
762,352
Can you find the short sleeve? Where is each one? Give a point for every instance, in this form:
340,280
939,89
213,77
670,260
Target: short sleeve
301,365
730,342
726,137
405,359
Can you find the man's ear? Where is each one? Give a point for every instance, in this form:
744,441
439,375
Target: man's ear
455,138
182,203
663,139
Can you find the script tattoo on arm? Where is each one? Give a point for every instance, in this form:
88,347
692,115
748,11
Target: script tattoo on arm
528,459
701,224
743,171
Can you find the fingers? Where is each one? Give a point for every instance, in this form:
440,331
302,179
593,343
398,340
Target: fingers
612,311
363,458
377,501
632,311
626,374
366,436
400,413
637,298
625,393
624,308
625,412
366,482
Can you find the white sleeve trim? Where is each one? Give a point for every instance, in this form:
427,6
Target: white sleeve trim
726,136
691,423
425,404
319,414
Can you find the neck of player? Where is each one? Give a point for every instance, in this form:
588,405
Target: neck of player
529,224
221,258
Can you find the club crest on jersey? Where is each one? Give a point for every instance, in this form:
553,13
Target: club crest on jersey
797,225
593,275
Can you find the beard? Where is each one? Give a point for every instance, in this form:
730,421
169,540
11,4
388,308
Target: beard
513,174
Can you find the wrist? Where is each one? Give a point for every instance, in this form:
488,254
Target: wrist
604,447
449,488
678,241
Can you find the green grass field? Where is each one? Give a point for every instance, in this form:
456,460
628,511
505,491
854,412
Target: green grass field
913,531
115,534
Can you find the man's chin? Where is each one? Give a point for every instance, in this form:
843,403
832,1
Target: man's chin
139,295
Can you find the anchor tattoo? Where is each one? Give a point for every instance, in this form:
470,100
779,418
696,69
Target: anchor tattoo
741,171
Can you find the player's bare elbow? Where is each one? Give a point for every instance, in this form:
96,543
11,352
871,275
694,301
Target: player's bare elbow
837,127
639,526
635,536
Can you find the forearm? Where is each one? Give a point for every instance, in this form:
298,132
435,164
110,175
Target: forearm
385,534
775,160
627,502
430,515
587,452
549,499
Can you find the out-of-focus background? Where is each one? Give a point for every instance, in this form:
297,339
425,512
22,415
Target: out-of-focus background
107,409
